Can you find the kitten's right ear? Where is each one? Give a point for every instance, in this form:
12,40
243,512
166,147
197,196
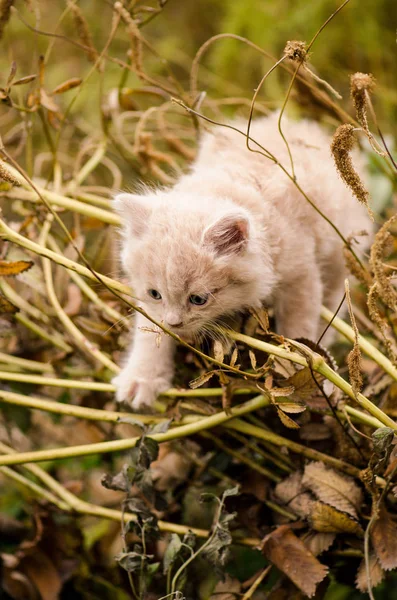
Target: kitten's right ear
134,212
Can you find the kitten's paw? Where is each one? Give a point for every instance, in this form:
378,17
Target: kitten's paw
138,391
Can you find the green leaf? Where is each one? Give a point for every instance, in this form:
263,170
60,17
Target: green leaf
172,552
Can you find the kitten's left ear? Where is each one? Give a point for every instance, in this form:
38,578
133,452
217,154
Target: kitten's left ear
228,235
134,211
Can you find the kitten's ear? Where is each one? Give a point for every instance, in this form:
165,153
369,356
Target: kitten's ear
134,211
228,235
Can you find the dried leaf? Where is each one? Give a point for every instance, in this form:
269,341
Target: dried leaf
290,407
12,268
199,381
66,85
252,359
172,551
286,420
289,554
290,492
6,306
333,488
48,102
234,357
327,519
304,383
377,574
24,80
318,543
219,354
384,539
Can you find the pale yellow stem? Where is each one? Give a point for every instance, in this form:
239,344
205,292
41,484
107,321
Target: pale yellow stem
52,338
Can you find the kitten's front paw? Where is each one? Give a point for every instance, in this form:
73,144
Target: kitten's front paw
138,391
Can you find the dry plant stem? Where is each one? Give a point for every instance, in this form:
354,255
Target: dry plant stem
89,292
342,114
95,414
251,591
125,444
64,202
21,303
36,489
52,338
79,339
319,365
241,457
255,97
97,386
366,346
91,164
29,365
7,233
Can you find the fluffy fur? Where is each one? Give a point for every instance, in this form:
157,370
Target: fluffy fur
236,230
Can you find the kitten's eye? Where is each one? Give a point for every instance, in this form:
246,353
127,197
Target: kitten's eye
154,294
198,300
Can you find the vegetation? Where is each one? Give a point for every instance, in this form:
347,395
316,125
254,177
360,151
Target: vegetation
270,473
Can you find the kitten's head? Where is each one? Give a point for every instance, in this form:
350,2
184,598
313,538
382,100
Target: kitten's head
191,262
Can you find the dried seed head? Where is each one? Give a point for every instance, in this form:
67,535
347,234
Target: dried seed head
83,31
296,51
380,248
378,319
136,54
341,146
354,356
6,175
360,83
353,265
5,10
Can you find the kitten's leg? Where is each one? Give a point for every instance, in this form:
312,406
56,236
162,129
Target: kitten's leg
334,276
149,368
298,305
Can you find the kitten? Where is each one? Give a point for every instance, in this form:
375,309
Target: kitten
234,233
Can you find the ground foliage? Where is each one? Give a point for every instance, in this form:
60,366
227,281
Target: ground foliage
294,498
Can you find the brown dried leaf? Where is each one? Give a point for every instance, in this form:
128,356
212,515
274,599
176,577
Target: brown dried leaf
333,488
327,519
24,80
286,420
384,539
48,102
219,354
291,494
252,359
318,543
289,554
377,574
291,407
234,357
66,85
201,380
304,384
6,306
12,268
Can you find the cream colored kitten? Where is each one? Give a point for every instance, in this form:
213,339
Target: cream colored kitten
231,234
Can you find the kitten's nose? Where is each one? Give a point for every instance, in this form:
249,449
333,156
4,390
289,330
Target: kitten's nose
174,320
